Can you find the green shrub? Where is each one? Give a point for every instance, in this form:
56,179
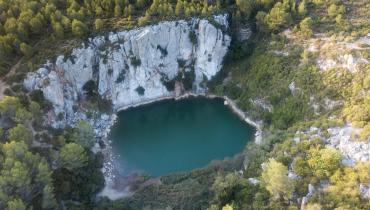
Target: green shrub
135,61
140,90
193,37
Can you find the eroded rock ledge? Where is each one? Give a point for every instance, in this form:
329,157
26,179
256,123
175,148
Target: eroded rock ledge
134,67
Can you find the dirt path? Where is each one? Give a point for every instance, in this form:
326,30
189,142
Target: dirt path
3,85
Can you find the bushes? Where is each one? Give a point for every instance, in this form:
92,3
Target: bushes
334,10
90,88
140,90
81,183
135,61
193,37
343,190
323,161
288,112
162,50
121,77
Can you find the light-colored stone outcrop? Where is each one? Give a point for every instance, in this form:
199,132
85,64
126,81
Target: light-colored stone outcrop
342,138
131,67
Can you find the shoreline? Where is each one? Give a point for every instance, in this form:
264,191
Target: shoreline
111,176
227,101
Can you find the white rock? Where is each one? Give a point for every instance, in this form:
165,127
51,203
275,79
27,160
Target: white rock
125,61
365,191
253,181
352,149
292,175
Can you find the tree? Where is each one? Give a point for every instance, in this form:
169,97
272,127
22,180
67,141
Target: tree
117,10
22,31
267,3
131,9
58,29
73,156
9,105
79,29
35,110
343,188
179,10
302,10
227,207
278,17
26,49
334,10
36,24
306,27
225,187
143,20
48,199
246,6
5,45
16,204
323,162
275,177
99,24
341,22
140,4
22,116
10,26
260,19
21,133
83,135
23,175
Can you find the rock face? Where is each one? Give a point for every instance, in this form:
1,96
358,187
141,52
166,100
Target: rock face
342,138
136,66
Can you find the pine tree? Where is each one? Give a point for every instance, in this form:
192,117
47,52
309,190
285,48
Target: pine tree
36,25
48,199
26,49
302,10
117,10
79,29
58,29
179,8
83,135
99,24
73,156
275,177
21,133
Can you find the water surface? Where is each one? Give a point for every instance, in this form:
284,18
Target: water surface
172,136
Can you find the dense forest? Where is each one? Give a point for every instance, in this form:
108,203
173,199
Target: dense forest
62,172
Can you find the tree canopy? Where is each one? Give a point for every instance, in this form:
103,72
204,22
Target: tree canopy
275,177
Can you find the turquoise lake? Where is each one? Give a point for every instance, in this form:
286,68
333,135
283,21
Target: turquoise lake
172,136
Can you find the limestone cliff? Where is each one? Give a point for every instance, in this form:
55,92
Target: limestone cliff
136,66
